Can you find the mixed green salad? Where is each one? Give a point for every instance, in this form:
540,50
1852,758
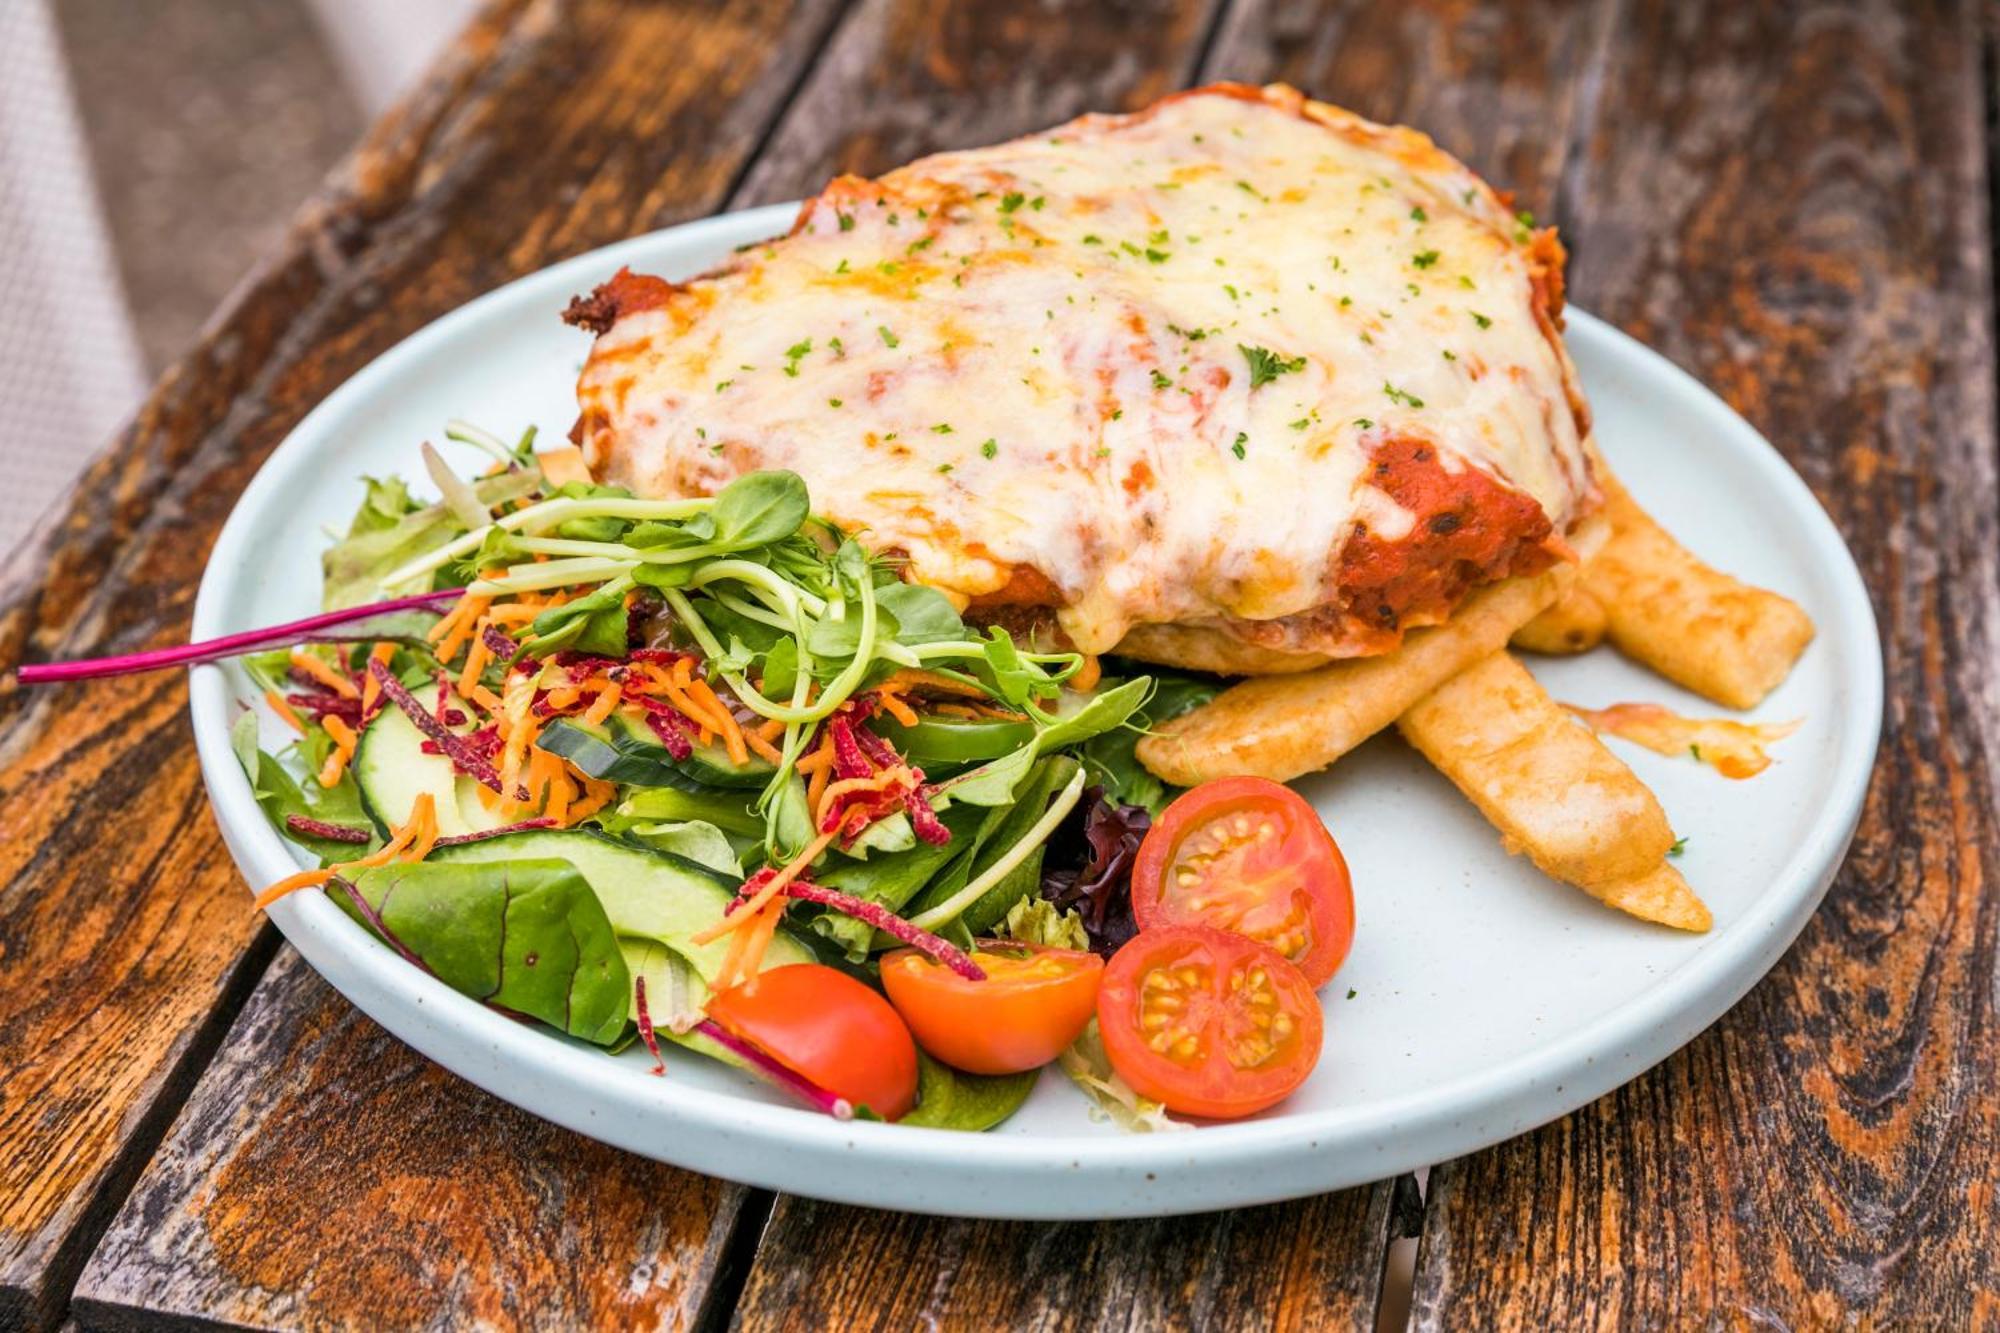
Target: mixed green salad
705,771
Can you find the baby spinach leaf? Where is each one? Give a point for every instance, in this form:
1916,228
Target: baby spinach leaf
1112,756
781,668
697,840
279,794
992,783
948,1098
1107,708
525,936
760,508
923,615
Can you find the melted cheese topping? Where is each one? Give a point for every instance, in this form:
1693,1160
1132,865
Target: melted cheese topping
1143,356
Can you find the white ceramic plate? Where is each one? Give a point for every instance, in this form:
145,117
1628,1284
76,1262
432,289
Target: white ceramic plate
1481,999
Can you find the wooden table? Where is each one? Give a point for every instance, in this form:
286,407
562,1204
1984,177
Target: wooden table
1790,200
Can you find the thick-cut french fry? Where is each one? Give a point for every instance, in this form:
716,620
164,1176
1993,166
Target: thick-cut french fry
1573,625
1698,627
1552,789
1279,727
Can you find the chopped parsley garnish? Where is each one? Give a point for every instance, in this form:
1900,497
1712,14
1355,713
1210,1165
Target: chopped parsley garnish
1302,423
1160,381
1695,750
841,267
1242,438
1351,992
839,348
1424,258
1157,237
846,220
1093,239
1364,423
1036,203
1680,845
1158,256
1481,320
1192,335
1266,365
1417,214
942,428
720,385
1450,355
833,402
1103,452
1250,190
1012,200
796,353
1397,395
921,244
888,339
887,267
989,449
1230,287
944,467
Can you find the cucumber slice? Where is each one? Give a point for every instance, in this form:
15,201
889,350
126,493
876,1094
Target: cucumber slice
625,750
945,742
647,894
391,769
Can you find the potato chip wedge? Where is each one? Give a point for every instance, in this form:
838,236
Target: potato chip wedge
1697,626
1573,625
1553,790
1280,727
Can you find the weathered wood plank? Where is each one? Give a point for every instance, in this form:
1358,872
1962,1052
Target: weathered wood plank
1311,1265
1502,84
902,78
550,128
1791,201
325,1175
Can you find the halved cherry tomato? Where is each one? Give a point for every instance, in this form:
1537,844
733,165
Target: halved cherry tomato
1251,856
827,1026
1034,1001
1208,1022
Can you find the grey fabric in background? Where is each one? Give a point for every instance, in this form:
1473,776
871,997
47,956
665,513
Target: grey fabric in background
69,368
202,125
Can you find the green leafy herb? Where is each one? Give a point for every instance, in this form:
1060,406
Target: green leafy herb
1266,365
948,1098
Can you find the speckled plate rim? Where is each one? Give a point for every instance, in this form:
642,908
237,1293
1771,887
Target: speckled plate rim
1021,1176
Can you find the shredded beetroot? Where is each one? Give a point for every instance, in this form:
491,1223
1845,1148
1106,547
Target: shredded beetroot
230,645
645,1021
886,921
923,820
484,834
657,656
498,643
320,704
848,761
463,757
668,725
795,1083
319,828
876,748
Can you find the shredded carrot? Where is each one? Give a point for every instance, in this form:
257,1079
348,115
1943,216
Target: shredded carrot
451,619
559,794
342,753
476,659
304,879
371,690
597,795
324,674
461,633
913,677
741,916
732,732
485,698
423,818
771,730
897,708
512,613
882,781
285,711
759,937
562,697
608,695
762,748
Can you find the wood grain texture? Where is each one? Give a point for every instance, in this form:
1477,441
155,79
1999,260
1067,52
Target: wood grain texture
1502,84
1311,1265
324,1175
550,128
902,78
1791,201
